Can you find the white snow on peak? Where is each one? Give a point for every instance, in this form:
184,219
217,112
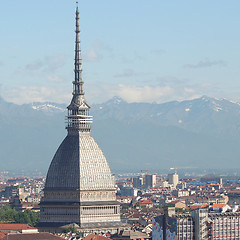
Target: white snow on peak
117,100
216,107
47,108
234,102
205,98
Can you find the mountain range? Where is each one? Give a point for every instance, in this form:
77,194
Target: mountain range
203,132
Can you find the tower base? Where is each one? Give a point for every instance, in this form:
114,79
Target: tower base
85,229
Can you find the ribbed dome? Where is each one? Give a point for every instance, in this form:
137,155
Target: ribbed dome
80,164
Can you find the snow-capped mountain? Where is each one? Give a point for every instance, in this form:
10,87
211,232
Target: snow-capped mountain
48,107
203,132
203,115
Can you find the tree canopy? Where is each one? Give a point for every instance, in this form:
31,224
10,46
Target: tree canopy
9,215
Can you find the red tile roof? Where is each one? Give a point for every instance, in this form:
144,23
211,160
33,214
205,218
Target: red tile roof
218,205
2,235
176,201
146,202
15,226
234,191
95,237
32,236
197,206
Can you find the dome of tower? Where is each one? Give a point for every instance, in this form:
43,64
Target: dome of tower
79,163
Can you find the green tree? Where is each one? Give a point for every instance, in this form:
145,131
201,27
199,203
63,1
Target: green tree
8,214
69,229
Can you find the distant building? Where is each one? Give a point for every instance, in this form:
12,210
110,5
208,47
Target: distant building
150,180
177,204
137,182
128,191
96,237
147,180
11,191
180,193
212,180
173,179
17,227
165,184
30,236
171,226
130,234
201,224
20,204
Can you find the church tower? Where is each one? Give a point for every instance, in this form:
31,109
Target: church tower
79,187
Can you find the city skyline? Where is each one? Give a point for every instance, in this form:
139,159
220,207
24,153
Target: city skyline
154,52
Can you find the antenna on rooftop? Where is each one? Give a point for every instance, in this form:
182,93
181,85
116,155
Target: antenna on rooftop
174,168
146,171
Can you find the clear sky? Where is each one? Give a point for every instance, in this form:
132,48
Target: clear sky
140,50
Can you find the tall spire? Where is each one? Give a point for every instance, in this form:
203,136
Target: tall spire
78,83
78,119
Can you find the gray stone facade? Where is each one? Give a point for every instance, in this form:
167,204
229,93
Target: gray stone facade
79,187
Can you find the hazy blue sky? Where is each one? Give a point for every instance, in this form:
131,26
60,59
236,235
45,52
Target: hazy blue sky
140,50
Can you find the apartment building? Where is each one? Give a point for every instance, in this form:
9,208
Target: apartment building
200,224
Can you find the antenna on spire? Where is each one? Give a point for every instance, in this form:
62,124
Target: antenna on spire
78,118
